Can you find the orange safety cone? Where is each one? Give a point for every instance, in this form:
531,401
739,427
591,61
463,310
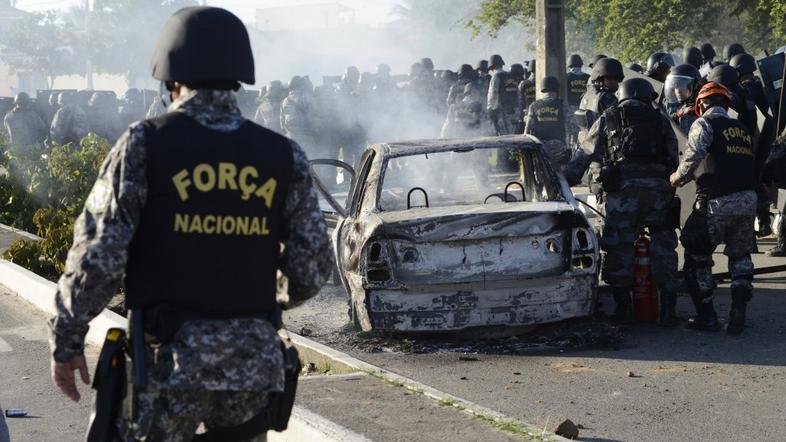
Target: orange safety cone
645,293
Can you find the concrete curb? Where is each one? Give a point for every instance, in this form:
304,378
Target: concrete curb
317,353
22,233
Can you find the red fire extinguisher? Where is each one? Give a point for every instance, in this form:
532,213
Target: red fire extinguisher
645,293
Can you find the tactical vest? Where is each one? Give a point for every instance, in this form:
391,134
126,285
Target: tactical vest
730,165
509,93
547,119
635,136
577,86
209,237
530,92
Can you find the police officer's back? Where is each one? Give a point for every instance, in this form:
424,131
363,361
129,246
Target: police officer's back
577,81
190,210
546,120
23,123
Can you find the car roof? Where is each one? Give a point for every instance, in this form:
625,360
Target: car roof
406,148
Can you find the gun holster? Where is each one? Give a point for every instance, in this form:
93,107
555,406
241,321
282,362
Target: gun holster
110,384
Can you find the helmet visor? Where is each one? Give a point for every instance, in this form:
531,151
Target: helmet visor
678,88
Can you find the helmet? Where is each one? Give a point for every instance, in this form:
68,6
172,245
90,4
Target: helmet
466,72
65,98
496,61
427,64
635,67
201,44
549,84
276,90
707,51
607,67
575,61
596,58
297,83
744,63
692,56
132,95
682,83
724,74
483,66
636,88
351,74
659,61
712,89
731,50
517,70
22,99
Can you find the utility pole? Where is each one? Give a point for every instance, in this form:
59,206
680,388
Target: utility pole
88,64
550,19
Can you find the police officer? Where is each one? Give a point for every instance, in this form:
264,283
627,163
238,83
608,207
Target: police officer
577,81
658,66
466,117
268,112
502,101
132,107
297,111
692,56
682,85
70,122
638,150
23,123
606,76
745,65
191,210
729,51
720,157
546,121
527,88
465,75
708,58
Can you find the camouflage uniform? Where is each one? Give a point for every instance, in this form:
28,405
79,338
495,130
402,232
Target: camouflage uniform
213,371
296,120
729,218
639,202
268,113
24,125
69,124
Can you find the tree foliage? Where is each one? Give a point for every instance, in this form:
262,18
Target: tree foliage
633,29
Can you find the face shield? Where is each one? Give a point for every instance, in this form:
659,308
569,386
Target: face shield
678,88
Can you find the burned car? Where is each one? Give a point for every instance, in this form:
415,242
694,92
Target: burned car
444,235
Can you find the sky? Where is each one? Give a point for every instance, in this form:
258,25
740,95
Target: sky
368,11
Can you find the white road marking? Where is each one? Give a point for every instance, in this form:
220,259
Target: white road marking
4,347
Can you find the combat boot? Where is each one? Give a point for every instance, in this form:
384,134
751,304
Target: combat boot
706,319
739,303
623,309
780,248
667,316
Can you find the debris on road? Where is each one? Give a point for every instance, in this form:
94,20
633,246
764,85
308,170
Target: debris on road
16,412
631,374
468,359
567,430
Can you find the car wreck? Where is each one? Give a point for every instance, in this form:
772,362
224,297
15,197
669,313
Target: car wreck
443,235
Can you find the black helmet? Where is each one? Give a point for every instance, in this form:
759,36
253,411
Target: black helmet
22,99
483,66
549,84
517,70
724,74
731,50
660,61
707,51
744,63
203,44
636,88
383,70
596,58
692,56
682,83
496,61
466,72
427,64
607,67
575,61
297,83
686,70
635,67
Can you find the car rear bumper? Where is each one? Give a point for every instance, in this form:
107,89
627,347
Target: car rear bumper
526,302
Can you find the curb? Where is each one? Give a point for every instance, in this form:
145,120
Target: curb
304,424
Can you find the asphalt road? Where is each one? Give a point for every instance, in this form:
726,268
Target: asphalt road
25,381
643,383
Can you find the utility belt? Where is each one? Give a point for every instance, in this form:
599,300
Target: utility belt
117,387
613,175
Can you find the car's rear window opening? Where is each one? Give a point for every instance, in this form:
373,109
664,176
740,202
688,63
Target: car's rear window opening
467,177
